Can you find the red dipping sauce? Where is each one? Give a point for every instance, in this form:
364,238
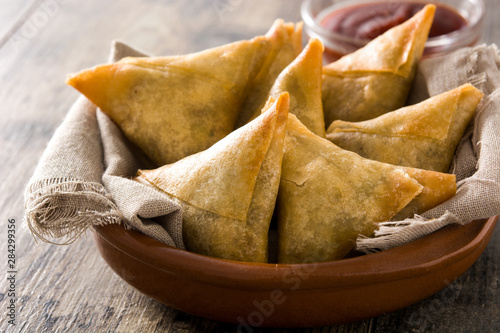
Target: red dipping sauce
367,21
345,26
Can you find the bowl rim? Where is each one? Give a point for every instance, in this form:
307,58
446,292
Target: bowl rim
405,261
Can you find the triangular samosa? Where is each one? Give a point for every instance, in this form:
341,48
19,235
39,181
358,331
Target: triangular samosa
302,80
328,196
228,192
286,45
175,106
422,136
376,78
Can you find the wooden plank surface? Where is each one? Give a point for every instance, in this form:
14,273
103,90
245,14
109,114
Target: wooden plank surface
70,288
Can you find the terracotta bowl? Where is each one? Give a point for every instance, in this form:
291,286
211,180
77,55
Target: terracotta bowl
303,295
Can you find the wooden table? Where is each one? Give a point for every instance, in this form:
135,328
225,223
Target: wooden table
70,288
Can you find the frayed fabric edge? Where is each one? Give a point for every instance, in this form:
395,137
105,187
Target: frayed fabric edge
50,212
395,233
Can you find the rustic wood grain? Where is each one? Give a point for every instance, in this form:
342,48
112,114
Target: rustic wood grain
13,15
70,288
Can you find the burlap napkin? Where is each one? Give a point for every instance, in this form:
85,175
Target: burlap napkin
83,177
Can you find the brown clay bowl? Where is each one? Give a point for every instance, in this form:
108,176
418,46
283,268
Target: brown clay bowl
302,295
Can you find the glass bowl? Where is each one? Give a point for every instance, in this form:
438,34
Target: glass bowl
337,45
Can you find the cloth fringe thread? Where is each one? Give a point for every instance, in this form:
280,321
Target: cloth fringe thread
52,212
393,233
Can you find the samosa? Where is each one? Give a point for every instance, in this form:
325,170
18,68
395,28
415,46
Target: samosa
286,44
424,135
228,192
328,196
302,80
175,106
376,78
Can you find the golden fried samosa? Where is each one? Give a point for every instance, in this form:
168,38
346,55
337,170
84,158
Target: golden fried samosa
228,192
175,106
422,136
328,196
302,80
437,188
376,78
286,45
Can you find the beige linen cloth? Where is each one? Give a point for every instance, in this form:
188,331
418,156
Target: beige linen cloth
83,177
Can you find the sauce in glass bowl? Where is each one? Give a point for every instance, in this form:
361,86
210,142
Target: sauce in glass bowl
345,26
367,21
